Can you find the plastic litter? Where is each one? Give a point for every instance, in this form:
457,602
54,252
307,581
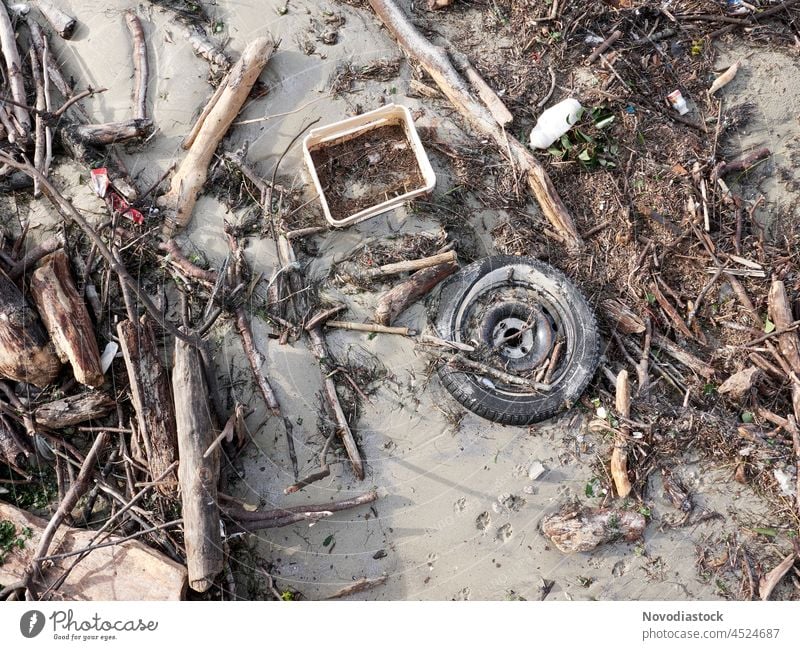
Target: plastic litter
555,122
389,115
677,102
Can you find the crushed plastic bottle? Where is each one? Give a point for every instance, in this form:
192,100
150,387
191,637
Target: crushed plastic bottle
555,122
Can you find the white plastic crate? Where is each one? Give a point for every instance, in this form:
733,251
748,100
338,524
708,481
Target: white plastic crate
389,115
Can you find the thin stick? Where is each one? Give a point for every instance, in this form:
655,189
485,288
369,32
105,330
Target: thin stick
75,492
368,327
39,128
320,350
358,586
255,359
116,542
102,532
412,265
603,47
693,313
321,317
483,369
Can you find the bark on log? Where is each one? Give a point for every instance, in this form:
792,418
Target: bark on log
10,450
25,353
197,475
626,321
577,531
437,65
151,397
127,571
59,20
96,135
398,299
65,316
16,83
72,410
193,170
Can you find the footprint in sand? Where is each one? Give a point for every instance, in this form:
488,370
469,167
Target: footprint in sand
482,521
464,594
460,505
504,532
432,557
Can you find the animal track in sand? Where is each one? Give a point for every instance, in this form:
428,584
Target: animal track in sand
504,532
482,521
460,505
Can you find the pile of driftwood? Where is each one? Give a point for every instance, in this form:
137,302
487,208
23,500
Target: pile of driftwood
127,437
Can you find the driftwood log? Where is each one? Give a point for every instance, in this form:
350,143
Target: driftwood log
193,170
66,318
61,21
436,63
780,312
151,397
619,456
197,473
140,70
95,135
25,352
15,81
409,266
577,531
123,570
72,410
399,298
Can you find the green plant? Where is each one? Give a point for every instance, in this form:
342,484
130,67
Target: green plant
709,389
591,144
10,539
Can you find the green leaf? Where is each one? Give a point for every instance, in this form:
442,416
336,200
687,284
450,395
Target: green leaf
565,142
327,541
585,155
747,417
605,122
769,532
555,151
651,298
769,326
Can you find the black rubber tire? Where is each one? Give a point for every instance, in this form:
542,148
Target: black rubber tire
577,327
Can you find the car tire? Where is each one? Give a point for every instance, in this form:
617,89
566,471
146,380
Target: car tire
513,311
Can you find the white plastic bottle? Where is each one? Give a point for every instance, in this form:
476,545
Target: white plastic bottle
555,122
